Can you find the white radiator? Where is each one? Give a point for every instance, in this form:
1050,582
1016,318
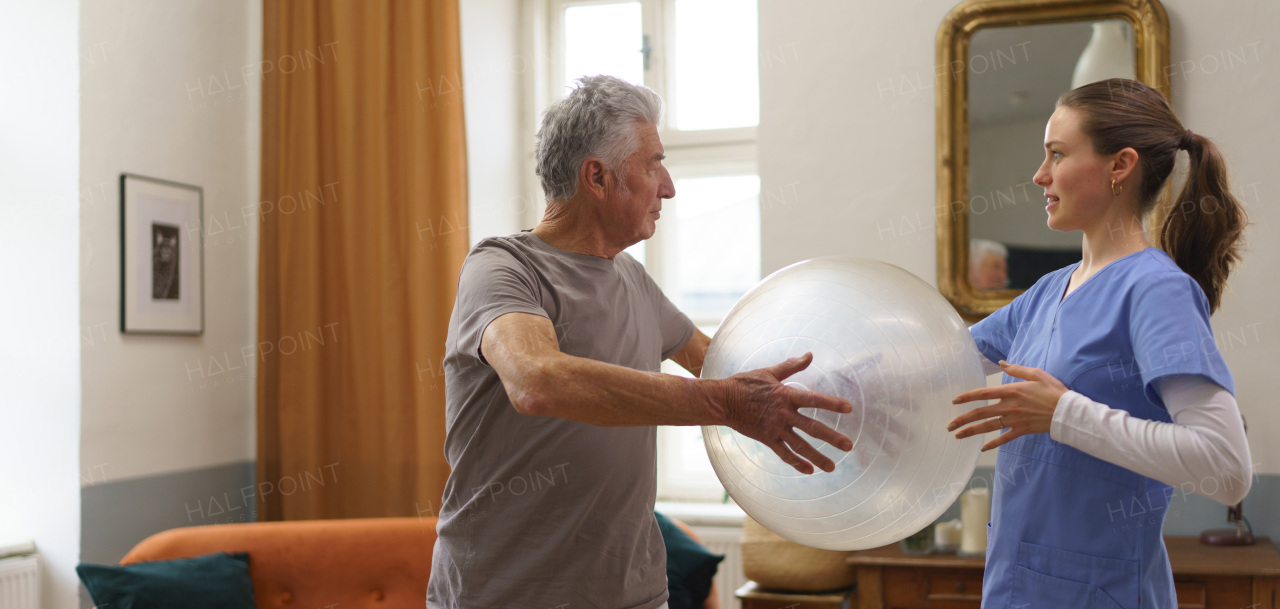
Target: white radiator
725,540
20,582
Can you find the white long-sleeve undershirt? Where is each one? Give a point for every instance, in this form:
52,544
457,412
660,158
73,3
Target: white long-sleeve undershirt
1204,450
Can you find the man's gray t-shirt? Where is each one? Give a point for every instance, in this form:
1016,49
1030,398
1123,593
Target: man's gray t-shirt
543,512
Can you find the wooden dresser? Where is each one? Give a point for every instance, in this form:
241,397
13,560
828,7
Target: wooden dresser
1206,577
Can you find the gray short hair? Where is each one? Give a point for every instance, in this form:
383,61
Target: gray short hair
597,119
978,248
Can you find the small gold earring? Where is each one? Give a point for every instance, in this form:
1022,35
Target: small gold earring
1115,189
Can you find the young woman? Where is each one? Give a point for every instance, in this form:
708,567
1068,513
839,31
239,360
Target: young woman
1116,401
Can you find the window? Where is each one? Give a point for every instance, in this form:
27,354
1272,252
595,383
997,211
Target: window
701,57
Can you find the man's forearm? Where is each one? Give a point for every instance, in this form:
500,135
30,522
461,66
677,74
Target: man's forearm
588,391
540,380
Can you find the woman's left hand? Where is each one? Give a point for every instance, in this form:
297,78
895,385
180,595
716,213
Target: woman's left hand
1024,408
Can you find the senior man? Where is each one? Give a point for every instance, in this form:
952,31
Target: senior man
988,264
552,382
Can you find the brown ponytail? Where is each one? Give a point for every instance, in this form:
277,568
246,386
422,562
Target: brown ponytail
1202,230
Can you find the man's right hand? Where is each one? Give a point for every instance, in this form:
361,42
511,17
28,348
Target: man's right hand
756,404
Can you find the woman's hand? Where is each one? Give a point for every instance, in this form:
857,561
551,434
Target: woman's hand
1024,408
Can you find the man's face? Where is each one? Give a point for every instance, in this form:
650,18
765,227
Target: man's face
632,209
990,273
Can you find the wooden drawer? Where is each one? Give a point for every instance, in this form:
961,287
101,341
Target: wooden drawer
932,588
1191,594
1214,591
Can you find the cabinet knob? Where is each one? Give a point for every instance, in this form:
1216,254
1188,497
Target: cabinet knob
959,586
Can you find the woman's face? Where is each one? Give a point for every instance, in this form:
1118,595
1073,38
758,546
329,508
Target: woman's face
1076,180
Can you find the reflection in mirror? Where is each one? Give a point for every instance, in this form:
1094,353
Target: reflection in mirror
1016,74
988,264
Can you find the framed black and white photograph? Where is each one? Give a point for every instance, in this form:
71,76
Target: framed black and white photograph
161,256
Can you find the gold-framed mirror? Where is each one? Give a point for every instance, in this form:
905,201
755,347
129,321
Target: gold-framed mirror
1001,66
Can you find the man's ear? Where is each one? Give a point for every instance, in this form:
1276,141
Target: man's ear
593,177
1124,165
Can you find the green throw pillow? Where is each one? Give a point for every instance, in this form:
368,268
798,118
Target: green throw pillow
690,567
212,581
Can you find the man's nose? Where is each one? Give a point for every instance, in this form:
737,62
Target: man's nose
667,188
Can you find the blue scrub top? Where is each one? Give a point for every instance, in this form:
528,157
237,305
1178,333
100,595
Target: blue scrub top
1068,529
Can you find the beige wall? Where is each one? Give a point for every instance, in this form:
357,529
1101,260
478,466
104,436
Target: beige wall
169,90
847,149
493,72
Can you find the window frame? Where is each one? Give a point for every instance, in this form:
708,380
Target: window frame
657,19
690,154
655,263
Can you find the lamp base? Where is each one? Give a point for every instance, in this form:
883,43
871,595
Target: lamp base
1226,537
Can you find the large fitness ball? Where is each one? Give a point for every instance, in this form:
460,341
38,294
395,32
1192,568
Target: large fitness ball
893,347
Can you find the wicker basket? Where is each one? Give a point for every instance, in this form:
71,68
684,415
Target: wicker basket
777,564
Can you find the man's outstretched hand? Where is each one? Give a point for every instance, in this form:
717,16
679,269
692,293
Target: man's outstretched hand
760,407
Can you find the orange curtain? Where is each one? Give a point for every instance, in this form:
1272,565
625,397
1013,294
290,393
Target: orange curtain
363,231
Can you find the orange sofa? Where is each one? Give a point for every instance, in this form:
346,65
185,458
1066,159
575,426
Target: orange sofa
381,563
316,564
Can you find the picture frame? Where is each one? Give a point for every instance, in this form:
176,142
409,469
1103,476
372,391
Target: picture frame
161,256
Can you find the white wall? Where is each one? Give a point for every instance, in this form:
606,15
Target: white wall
846,133
847,139
169,90
40,384
493,67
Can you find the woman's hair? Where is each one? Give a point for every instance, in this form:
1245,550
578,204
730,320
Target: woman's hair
1202,229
